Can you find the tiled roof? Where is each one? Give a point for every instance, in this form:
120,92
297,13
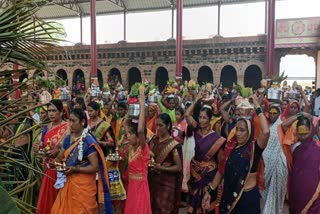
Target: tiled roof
53,9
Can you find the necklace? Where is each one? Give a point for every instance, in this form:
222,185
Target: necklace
54,125
74,138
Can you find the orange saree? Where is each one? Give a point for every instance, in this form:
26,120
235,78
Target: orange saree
79,192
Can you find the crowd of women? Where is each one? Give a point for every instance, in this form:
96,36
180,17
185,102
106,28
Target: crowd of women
219,155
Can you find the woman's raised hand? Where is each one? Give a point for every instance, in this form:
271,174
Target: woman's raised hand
141,89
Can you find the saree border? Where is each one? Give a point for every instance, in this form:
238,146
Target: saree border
240,194
214,148
165,152
312,200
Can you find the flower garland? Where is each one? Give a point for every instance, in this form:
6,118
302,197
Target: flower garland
80,146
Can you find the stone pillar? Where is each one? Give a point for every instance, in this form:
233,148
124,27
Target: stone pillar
317,80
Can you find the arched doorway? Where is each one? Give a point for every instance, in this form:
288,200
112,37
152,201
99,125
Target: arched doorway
185,74
114,77
100,79
252,77
205,75
134,76
23,75
78,82
161,78
300,68
228,76
63,75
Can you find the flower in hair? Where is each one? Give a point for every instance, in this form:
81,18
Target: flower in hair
80,146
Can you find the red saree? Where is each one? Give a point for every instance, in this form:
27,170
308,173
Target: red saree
138,198
48,193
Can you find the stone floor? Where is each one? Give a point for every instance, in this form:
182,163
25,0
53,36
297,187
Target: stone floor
285,210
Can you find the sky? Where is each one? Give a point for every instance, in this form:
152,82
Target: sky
236,20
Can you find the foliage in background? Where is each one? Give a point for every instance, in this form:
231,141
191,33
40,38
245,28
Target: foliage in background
24,40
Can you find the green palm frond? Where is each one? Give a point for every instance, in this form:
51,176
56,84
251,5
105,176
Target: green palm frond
24,40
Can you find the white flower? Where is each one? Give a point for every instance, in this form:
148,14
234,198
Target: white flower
80,146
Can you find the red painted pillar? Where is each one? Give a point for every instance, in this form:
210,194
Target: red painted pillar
179,40
270,42
93,39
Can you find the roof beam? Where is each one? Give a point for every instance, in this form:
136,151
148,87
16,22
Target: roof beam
72,5
119,3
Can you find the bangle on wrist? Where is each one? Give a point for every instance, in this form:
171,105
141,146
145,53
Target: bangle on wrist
299,115
259,110
210,189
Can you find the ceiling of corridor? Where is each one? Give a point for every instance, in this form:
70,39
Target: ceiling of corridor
53,9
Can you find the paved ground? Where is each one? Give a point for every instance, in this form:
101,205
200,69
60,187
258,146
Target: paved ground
285,210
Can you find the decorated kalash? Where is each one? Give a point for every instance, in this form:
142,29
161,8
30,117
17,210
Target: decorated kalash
275,92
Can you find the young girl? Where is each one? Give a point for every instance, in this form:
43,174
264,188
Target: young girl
138,197
180,126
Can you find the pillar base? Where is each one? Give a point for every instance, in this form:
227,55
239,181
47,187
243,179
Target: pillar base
94,80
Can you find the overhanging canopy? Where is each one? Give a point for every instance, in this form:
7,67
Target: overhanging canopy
53,9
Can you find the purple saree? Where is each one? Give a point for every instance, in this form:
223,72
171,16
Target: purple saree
304,192
203,168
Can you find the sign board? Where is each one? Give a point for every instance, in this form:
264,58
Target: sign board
295,33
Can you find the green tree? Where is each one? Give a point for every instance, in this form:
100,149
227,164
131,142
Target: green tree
24,41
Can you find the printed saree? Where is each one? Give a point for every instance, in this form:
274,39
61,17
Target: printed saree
236,167
165,188
276,173
99,131
203,168
48,193
79,192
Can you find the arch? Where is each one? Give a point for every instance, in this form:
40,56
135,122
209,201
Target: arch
162,77
114,76
185,74
100,79
23,75
205,75
228,76
252,77
292,65
38,73
134,76
78,82
63,75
